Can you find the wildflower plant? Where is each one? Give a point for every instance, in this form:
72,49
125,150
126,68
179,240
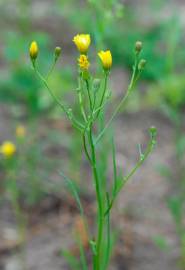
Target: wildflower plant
8,161
93,97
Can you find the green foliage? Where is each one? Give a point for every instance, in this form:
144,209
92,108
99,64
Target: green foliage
21,88
28,172
168,94
175,206
164,171
19,85
163,41
180,146
161,242
71,259
104,17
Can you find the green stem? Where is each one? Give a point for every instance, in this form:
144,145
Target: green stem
103,95
21,226
129,175
99,201
75,122
85,149
81,106
51,69
80,98
89,95
134,79
19,217
107,254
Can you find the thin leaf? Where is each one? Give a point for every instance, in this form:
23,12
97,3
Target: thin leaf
114,166
74,191
108,242
82,254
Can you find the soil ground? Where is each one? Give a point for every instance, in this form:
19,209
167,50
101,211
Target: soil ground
141,208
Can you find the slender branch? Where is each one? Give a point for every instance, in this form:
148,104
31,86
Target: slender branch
89,94
51,70
114,167
85,149
107,254
75,122
99,200
148,150
103,95
79,90
134,79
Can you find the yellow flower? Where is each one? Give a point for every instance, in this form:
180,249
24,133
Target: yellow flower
7,149
82,42
20,131
34,50
106,59
83,62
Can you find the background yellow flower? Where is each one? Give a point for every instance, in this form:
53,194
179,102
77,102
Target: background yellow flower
7,149
20,131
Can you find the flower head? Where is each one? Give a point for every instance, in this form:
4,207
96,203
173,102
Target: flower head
7,149
20,131
57,53
83,62
82,42
138,46
34,50
106,59
142,64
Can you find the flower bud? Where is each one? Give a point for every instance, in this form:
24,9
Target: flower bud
106,59
142,64
20,131
57,53
138,46
34,50
153,131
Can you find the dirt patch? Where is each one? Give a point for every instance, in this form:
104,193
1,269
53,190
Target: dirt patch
141,208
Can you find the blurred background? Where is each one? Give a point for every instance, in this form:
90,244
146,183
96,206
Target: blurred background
38,216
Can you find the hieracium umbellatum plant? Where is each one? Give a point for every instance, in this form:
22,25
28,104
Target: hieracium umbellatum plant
93,97
9,163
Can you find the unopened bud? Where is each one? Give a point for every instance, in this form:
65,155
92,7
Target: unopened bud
153,131
142,64
138,46
20,131
34,50
57,53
